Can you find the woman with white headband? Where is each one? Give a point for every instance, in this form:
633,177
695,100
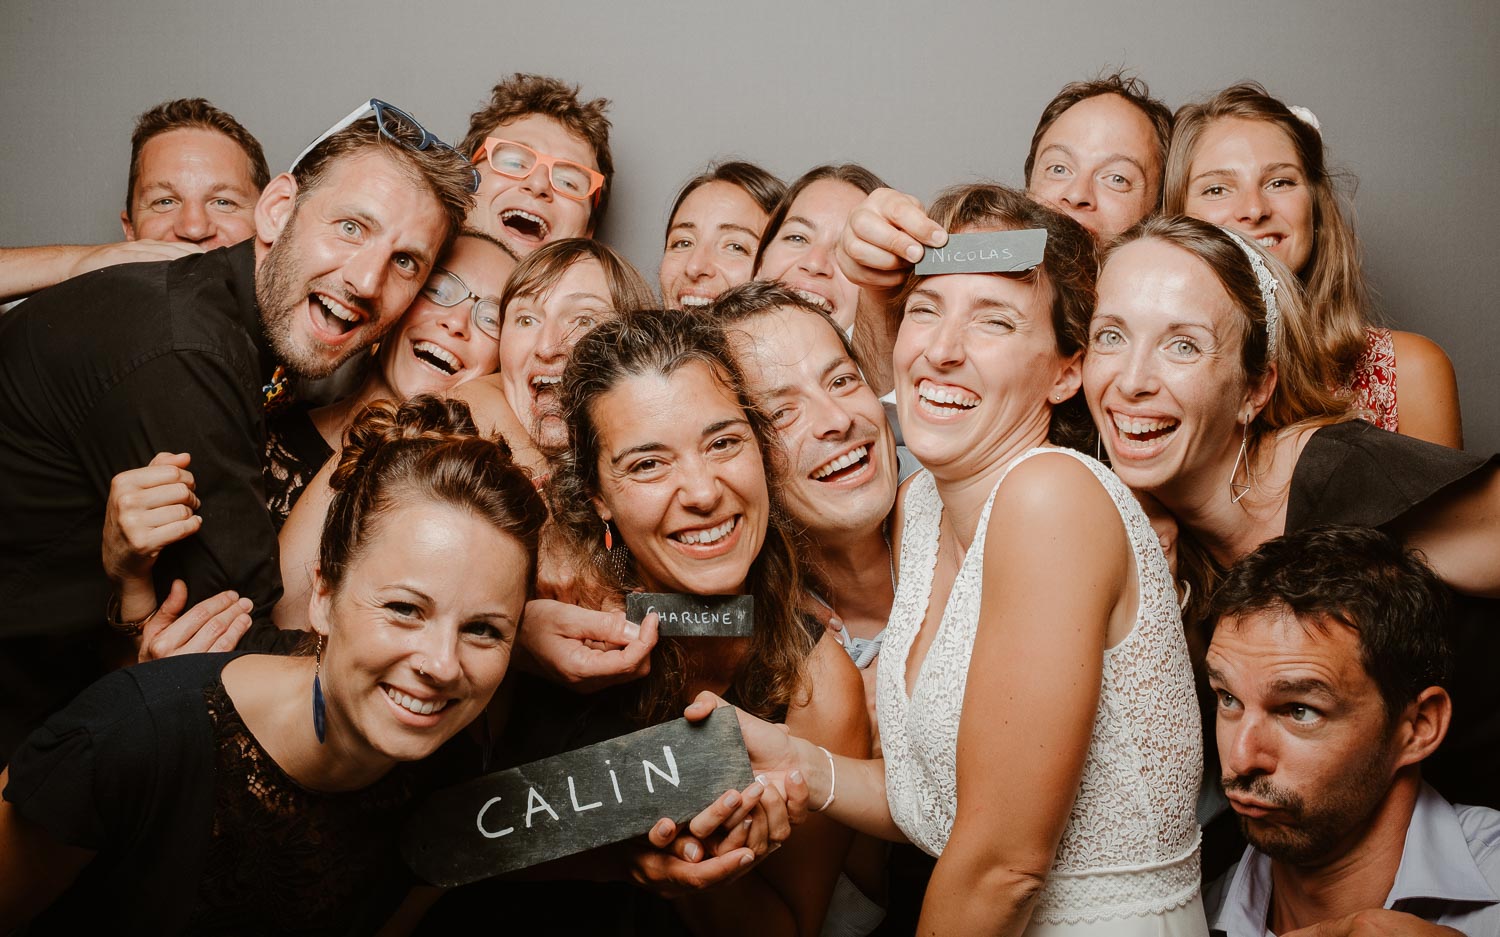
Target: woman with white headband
1202,374
1245,160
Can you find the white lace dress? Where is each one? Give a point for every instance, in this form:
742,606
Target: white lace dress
1128,860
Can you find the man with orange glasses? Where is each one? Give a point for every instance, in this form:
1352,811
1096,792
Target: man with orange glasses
195,173
544,162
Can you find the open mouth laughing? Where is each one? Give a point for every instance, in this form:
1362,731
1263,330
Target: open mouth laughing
843,466
333,316
1135,432
437,357
945,399
529,227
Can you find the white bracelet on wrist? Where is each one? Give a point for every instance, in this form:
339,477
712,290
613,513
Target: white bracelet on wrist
833,778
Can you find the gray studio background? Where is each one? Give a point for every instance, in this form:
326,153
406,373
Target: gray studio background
923,93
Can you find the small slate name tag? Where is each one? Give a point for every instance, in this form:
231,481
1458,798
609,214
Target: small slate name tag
693,616
576,801
986,252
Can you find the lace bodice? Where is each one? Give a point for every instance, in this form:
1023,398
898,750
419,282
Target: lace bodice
1130,845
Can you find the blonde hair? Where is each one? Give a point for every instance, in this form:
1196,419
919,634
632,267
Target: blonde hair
1333,277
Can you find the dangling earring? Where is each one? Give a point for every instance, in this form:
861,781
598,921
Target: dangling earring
1237,491
609,539
319,714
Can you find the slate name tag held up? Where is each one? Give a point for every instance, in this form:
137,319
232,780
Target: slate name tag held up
576,801
694,616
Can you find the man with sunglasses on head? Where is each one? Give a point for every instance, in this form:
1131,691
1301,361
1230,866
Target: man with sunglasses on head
543,156
107,370
195,173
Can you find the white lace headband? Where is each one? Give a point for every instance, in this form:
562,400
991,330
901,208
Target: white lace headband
1268,286
1306,116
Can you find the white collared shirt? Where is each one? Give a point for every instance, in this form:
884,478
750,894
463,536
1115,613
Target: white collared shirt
1449,874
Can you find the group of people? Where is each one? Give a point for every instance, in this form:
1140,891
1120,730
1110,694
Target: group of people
1129,593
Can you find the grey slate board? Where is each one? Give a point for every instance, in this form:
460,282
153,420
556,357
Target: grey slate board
694,616
575,801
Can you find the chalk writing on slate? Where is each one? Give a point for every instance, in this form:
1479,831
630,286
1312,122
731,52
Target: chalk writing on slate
986,252
575,801
690,616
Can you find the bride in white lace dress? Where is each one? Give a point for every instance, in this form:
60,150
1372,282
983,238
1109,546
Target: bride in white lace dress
1036,700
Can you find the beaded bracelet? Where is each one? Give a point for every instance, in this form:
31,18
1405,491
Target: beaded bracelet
112,617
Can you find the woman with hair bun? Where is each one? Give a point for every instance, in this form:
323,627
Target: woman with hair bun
254,793
1245,160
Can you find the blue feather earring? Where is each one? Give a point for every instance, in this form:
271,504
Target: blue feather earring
319,715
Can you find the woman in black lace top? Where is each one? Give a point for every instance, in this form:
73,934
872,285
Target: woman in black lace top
247,793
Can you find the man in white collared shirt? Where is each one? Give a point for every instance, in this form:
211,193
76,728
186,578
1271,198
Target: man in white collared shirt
1328,663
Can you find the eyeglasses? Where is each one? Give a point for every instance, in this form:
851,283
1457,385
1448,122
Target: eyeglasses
395,125
573,180
447,290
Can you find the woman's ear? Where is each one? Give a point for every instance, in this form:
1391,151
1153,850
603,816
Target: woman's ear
1258,394
1069,379
320,603
277,203
602,509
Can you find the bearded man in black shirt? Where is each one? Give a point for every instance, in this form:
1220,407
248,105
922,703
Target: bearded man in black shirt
100,373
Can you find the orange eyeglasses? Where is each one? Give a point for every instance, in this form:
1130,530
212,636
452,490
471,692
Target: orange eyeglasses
571,180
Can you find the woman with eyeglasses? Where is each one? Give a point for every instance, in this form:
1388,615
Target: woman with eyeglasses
254,793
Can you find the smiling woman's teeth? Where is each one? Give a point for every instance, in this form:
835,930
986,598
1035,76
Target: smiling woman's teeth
1142,431
545,380
947,395
816,300
1268,241
690,302
842,462
421,708
438,356
704,537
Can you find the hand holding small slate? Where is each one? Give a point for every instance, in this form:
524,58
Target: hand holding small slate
582,649
885,235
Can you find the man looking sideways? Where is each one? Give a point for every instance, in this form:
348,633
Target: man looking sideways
1329,663
544,161
106,370
195,174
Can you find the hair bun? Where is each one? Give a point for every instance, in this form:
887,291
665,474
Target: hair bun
385,425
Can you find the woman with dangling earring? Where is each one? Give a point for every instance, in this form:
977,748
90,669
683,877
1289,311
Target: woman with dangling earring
251,793
1204,378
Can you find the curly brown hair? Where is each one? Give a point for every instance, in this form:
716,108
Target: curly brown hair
660,342
522,94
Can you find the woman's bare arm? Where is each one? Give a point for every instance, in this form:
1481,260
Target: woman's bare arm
1056,566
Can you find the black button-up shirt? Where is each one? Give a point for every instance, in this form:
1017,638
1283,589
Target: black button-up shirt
97,375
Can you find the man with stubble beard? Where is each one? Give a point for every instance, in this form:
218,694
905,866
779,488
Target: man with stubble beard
1329,666
106,370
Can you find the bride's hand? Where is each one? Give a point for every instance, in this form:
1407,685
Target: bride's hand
774,753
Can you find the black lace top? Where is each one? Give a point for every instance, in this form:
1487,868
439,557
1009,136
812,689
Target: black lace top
295,451
284,859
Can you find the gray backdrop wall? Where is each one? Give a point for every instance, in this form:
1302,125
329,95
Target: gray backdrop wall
925,94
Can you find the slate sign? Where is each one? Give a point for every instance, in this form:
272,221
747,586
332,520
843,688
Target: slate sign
576,801
986,252
694,616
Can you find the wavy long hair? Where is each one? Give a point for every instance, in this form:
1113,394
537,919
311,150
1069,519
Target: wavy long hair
660,342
